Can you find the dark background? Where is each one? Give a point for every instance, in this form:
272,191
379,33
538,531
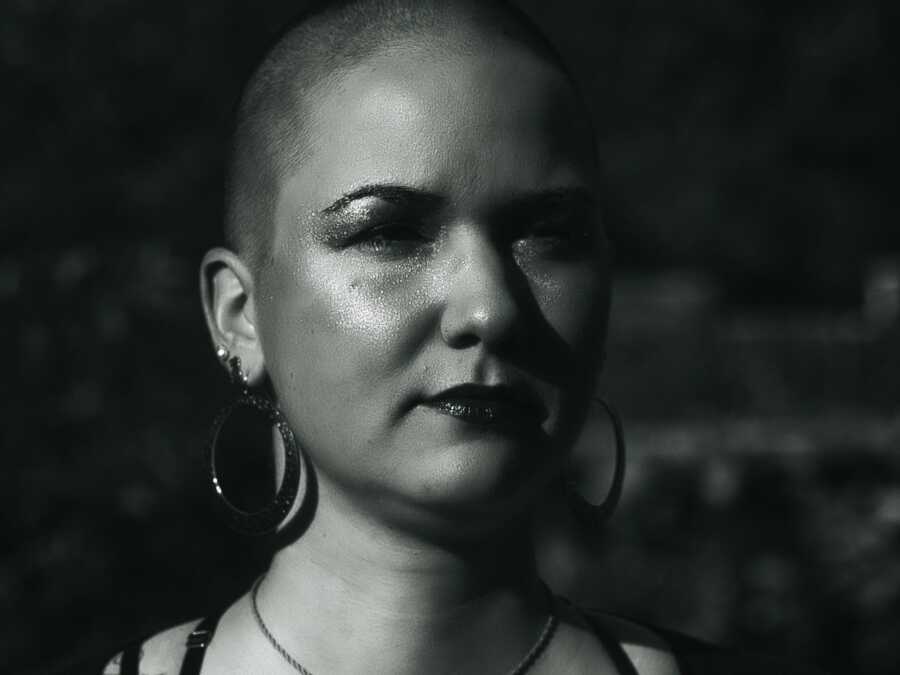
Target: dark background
754,352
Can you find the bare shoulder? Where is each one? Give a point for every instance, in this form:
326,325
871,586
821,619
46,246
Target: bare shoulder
160,654
648,651
654,653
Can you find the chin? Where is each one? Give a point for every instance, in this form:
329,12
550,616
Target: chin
474,489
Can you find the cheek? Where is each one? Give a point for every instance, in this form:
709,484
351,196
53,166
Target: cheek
341,329
574,301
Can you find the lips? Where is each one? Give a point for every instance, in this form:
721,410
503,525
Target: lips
489,405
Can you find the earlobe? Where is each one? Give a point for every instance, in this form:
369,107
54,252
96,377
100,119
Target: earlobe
227,294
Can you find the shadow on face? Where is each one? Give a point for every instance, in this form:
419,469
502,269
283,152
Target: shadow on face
435,308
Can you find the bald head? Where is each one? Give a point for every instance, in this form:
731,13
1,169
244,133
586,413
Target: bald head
272,130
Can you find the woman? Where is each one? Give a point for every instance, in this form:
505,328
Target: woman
418,283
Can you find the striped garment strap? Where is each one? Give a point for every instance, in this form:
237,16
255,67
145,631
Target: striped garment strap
197,642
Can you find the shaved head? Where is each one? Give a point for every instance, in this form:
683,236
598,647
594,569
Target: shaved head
271,129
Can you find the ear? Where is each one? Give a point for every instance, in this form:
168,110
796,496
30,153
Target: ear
227,294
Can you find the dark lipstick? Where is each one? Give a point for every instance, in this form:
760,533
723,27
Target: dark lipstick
489,405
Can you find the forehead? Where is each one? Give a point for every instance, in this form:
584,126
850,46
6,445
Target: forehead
474,124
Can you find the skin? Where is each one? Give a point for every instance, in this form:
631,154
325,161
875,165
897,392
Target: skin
360,318
495,271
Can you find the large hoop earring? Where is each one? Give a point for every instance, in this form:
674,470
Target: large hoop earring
595,515
268,518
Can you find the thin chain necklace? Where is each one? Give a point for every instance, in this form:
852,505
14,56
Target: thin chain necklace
524,665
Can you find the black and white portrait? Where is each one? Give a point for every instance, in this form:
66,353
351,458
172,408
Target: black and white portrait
449,336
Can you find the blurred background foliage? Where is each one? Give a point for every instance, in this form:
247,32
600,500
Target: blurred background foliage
747,149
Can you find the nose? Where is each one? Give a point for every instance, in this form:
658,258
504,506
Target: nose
480,303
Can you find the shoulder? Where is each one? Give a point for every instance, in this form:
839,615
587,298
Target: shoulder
703,658
647,650
656,650
160,654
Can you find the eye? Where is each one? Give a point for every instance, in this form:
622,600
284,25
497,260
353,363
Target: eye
557,237
552,231
397,238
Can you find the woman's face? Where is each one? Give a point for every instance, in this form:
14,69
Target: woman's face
435,311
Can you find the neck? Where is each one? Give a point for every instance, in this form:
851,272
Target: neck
435,604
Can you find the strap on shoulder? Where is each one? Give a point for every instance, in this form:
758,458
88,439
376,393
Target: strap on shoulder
611,643
131,657
197,642
606,637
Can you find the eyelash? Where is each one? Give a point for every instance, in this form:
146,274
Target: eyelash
399,236
560,236
403,238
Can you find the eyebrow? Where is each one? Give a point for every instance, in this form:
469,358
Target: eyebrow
402,195
574,196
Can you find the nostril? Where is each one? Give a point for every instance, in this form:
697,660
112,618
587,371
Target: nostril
462,340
